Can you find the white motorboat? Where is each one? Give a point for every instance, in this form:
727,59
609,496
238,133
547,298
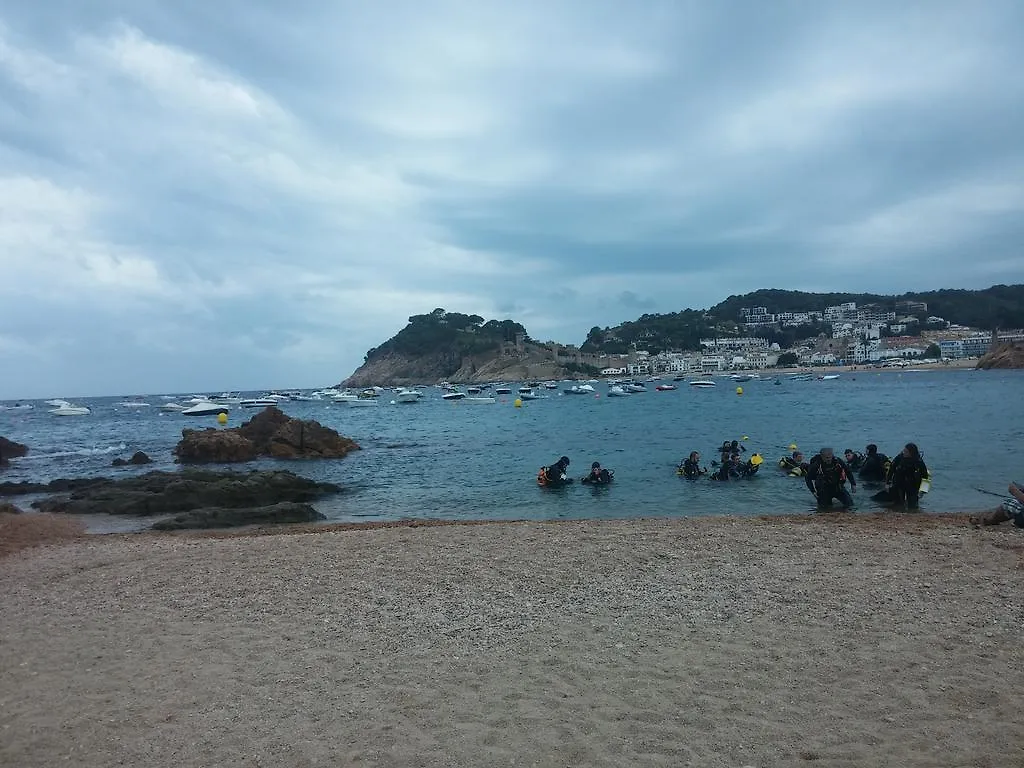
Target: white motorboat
404,395
453,396
56,402
345,397
666,387
362,402
527,393
473,390
829,376
205,408
579,389
258,402
301,398
173,407
550,385
480,400
68,409
617,391
503,390
17,407
227,398
702,383
132,404
634,387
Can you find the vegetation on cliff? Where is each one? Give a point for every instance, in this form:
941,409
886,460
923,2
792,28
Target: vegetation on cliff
452,333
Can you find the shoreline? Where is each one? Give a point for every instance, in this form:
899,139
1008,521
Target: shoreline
713,641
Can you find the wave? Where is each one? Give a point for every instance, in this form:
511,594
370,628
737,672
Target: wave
79,452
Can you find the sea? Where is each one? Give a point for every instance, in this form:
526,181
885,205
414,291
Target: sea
457,460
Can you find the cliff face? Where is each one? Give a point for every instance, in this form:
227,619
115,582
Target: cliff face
1009,355
396,370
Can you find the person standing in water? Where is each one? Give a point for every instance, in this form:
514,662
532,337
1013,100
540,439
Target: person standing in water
555,475
691,466
826,477
905,475
875,465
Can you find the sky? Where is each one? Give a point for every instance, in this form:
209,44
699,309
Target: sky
248,194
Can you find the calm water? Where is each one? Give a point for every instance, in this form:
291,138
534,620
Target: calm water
457,460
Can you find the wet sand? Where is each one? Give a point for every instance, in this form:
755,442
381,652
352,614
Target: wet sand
834,640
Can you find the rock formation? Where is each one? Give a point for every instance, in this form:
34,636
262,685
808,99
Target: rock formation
8,509
164,493
220,517
138,458
269,433
405,370
1007,355
11,450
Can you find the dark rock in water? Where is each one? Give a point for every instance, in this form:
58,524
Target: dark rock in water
8,509
221,517
63,485
138,458
221,446
11,450
268,433
162,493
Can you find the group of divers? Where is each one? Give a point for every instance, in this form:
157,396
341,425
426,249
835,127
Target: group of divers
905,476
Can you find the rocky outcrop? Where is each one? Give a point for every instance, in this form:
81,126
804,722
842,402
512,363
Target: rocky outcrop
8,509
164,493
220,517
138,458
269,433
63,485
403,370
1009,355
11,450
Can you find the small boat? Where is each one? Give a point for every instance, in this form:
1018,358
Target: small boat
404,395
227,398
666,387
173,407
132,404
56,403
68,409
531,395
206,409
369,394
480,400
473,390
453,396
257,402
362,402
344,397
634,387
702,383
740,377
617,391
829,377
550,385
678,378
579,389
503,390
17,407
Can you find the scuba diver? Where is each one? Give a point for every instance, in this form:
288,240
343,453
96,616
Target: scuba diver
554,476
825,478
905,475
598,475
853,459
691,467
749,468
729,467
875,466
794,465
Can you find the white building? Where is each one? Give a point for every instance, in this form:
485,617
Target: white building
711,363
736,344
613,371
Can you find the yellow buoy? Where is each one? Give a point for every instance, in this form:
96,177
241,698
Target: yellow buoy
745,437
222,418
756,460
739,390
518,403
792,446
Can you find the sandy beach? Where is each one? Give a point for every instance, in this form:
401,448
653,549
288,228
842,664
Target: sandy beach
837,640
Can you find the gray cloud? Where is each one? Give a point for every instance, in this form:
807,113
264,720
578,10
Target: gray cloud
198,195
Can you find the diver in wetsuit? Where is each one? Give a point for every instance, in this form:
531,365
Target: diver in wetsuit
749,468
554,476
691,468
853,459
825,478
905,475
875,466
794,465
598,475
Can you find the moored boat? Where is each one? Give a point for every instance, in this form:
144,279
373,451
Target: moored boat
69,409
206,408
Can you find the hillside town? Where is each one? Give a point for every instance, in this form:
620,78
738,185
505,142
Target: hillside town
860,336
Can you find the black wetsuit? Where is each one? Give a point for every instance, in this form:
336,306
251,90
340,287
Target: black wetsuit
873,469
690,468
555,475
826,481
905,476
856,462
600,477
792,466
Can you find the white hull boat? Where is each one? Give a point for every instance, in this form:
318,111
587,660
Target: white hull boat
345,397
579,389
133,404
616,391
480,400
205,408
259,402
71,410
173,407
634,388
705,383
407,396
830,377
56,402
362,402
453,396
227,398
17,408
503,391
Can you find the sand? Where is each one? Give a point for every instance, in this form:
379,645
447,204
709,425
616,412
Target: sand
836,641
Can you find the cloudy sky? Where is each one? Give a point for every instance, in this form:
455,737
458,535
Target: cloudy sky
203,195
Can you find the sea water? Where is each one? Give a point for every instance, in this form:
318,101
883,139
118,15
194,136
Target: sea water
440,459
